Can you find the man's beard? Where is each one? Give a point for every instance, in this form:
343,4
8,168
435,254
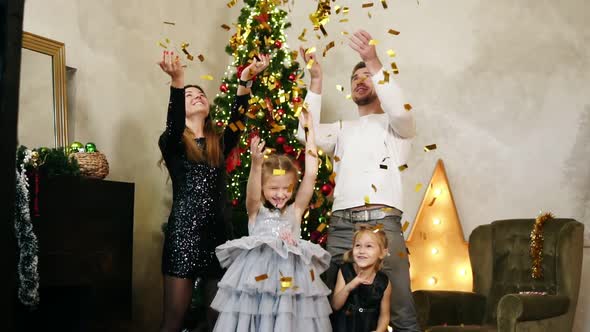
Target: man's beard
365,100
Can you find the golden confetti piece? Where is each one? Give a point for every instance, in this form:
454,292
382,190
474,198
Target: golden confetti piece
321,227
201,57
328,47
225,27
383,166
391,53
169,23
277,128
393,32
369,14
367,5
162,44
339,88
232,3
337,9
336,159
261,277
418,187
394,68
347,97
312,274
323,30
384,4
207,77
343,20
291,187
167,41
310,50
367,201
240,125
302,35
373,42
377,228
233,127
344,33
405,226
309,63
430,147
403,167
333,177
408,107
286,282
278,171
374,188
311,153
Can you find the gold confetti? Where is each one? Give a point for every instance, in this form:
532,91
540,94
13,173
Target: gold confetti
343,20
336,159
321,227
373,42
240,125
286,282
310,50
233,127
385,78
393,32
333,177
369,14
261,277
169,23
384,4
405,226
302,35
347,97
367,201
374,188
201,57
207,77
394,68
345,10
391,53
323,31
278,171
311,153
291,187
312,274
403,167
367,5
339,88
430,147
277,128
162,44
328,47
232,3
344,33
309,63
408,107
383,166
418,187
337,9
225,27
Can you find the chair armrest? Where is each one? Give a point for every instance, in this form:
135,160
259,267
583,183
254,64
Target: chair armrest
527,307
449,307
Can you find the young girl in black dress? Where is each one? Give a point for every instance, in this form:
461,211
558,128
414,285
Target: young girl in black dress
362,294
194,155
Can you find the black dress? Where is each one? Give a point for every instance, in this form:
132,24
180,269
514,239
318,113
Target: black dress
361,311
196,223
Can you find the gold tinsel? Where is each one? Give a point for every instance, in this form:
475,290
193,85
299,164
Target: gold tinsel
321,15
536,248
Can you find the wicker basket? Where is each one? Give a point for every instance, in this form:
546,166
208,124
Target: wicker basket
93,164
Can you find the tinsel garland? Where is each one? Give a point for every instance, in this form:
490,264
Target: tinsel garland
536,247
28,288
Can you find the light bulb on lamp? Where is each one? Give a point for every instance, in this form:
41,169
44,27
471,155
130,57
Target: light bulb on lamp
437,192
436,221
463,272
432,281
434,251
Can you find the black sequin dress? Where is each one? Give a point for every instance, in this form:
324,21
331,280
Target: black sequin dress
196,222
361,311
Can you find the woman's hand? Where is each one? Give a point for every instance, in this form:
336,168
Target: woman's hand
255,67
316,70
256,151
172,66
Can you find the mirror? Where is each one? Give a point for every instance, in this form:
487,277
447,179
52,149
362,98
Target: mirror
42,102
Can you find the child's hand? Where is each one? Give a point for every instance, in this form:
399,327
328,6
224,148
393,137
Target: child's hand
363,278
256,150
307,123
255,67
287,236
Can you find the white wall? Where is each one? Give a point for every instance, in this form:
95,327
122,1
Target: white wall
501,87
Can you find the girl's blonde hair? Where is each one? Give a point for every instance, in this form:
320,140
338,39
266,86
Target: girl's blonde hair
375,232
282,162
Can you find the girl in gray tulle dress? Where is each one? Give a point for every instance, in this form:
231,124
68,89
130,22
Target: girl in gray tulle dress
273,280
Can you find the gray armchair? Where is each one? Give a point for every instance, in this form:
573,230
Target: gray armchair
501,265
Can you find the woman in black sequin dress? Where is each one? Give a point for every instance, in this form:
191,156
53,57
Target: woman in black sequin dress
194,156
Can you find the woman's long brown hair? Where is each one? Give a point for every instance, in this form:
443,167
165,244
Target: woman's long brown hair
212,154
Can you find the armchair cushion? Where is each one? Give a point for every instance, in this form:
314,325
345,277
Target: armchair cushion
449,307
520,307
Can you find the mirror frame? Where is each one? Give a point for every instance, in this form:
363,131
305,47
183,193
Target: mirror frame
57,51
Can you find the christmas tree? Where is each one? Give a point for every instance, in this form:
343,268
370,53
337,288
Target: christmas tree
274,107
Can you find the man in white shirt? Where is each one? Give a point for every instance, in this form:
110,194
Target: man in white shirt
367,155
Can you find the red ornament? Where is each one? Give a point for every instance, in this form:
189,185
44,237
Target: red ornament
288,149
297,100
323,239
219,123
281,140
292,77
223,87
278,43
234,202
281,112
327,189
